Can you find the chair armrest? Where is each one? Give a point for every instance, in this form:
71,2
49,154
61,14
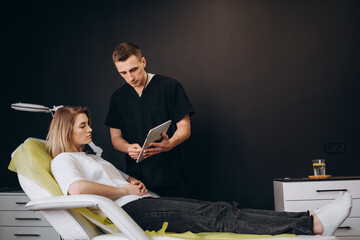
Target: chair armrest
65,202
114,212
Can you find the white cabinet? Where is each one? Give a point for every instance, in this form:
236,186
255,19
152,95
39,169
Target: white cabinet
302,194
18,223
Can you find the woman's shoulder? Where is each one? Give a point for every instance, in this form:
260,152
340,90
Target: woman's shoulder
68,156
65,154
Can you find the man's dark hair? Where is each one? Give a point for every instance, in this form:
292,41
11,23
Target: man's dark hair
124,50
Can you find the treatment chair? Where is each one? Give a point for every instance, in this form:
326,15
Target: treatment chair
62,211
70,215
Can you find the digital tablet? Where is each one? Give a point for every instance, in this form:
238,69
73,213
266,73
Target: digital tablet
153,135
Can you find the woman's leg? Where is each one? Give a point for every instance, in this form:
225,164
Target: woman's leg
274,213
202,216
269,212
181,214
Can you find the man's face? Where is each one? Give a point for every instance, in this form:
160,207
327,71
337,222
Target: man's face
133,71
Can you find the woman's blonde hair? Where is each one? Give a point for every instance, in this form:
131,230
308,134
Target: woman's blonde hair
61,127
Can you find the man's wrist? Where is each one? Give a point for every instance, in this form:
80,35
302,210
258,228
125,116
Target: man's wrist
173,142
128,146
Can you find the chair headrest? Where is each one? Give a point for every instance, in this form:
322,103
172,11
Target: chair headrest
32,161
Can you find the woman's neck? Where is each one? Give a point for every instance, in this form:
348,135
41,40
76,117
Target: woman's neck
77,148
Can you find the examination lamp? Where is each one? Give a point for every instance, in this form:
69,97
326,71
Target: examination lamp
28,107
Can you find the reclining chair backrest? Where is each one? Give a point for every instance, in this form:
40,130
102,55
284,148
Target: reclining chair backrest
32,164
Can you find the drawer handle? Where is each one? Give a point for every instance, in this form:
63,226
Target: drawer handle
345,227
38,219
332,190
27,235
20,203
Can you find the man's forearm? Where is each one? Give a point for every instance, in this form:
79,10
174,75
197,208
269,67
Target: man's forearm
180,135
120,144
182,132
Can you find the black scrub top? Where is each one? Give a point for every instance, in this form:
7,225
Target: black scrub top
163,99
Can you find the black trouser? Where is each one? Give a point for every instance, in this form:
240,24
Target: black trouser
184,214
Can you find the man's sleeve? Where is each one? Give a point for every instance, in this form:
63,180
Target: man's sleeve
112,118
181,103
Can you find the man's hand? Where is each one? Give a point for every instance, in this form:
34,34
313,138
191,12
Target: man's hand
134,150
156,148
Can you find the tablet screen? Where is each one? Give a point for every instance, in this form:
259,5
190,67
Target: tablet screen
153,135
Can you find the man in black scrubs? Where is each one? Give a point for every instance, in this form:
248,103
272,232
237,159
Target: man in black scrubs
146,101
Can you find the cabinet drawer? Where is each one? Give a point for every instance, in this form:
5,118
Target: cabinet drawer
351,227
28,233
319,189
300,206
22,218
16,203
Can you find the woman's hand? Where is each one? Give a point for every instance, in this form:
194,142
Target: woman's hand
132,189
140,186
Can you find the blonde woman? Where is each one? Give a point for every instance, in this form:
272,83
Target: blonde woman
81,173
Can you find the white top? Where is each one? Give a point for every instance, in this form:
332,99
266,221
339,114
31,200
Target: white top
69,167
150,77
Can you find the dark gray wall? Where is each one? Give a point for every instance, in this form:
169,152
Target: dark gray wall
271,81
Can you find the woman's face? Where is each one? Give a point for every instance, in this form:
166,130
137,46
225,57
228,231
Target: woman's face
81,133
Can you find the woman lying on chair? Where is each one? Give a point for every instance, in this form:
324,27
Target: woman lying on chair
81,173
